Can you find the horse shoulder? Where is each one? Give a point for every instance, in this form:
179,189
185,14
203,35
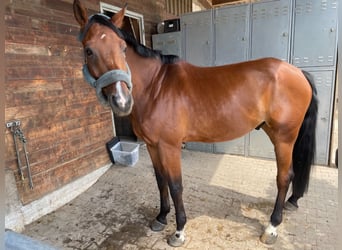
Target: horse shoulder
157,114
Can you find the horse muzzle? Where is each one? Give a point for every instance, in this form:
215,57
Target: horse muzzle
119,100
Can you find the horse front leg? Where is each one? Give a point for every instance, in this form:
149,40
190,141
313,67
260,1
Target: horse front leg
159,223
169,176
176,190
284,176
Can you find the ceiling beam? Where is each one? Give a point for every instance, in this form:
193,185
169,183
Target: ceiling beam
218,2
205,3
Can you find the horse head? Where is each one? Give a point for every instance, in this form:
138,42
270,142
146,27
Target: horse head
105,66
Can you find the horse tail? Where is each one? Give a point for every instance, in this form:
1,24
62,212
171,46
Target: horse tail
304,149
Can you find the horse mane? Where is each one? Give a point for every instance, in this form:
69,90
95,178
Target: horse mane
144,51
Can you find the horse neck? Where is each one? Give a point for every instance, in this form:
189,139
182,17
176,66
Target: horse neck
143,70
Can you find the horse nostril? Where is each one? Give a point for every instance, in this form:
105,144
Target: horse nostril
116,100
120,101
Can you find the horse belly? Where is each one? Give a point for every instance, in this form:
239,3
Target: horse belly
216,128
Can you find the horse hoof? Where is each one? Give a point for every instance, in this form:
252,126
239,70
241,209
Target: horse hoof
290,206
157,226
268,238
176,240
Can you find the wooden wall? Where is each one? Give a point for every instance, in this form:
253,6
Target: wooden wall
65,126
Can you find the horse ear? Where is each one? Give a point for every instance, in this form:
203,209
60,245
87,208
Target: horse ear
118,18
80,13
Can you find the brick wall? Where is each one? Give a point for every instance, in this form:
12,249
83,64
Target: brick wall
65,126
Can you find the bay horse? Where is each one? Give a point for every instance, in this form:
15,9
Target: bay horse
170,102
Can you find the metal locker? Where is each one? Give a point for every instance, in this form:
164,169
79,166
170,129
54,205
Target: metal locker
200,146
324,81
236,147
259,145
168,43
315,32
197,35
271,29
231,29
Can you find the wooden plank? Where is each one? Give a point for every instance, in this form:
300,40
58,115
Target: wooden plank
73,60
55,149
28,49
59,176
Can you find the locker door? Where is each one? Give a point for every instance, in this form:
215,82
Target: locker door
231,29
197,33
324,81
271,29
168,43
260,145
315,32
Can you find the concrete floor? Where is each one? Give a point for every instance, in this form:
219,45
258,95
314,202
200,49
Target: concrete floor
228,200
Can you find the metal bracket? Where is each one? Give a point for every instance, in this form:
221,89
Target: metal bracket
14,123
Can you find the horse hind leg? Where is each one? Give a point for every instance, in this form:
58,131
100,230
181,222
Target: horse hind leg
304,150
284,175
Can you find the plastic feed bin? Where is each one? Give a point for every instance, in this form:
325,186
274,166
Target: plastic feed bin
126,153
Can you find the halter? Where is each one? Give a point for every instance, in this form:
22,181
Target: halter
111,76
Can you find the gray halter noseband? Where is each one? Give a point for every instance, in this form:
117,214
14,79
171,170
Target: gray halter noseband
111,76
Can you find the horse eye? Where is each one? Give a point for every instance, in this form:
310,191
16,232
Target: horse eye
88,52
124,50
